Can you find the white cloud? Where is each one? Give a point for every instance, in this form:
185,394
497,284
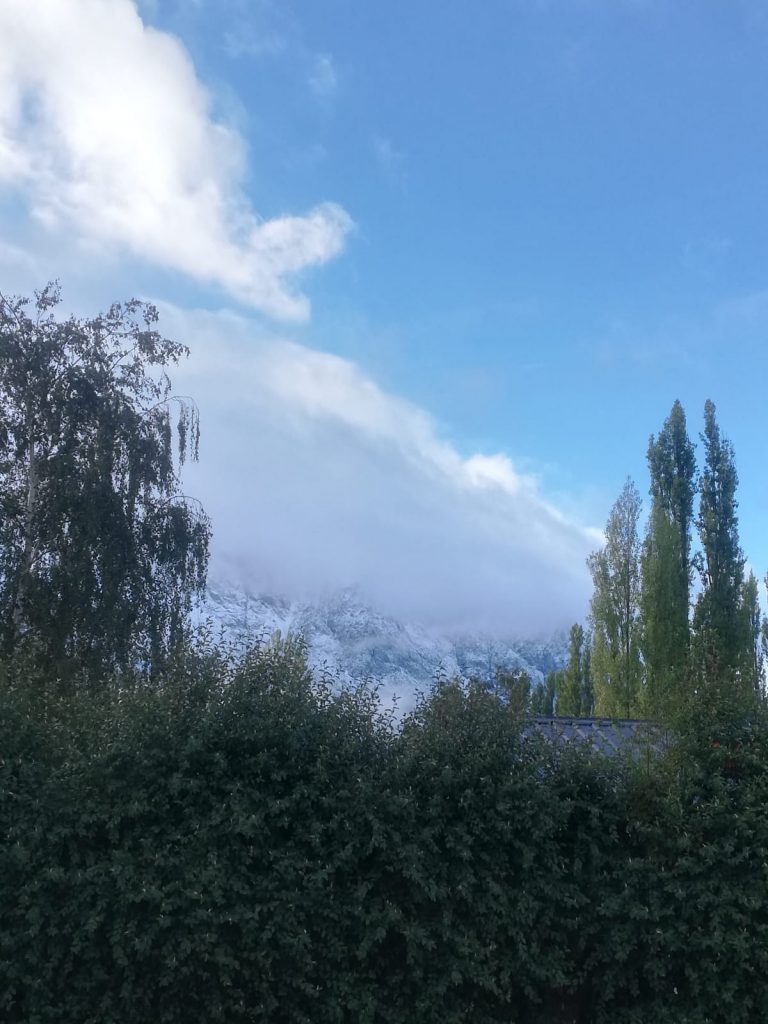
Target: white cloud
105,128
316,478
323,80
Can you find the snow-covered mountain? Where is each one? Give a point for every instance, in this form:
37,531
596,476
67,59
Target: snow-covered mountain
351,641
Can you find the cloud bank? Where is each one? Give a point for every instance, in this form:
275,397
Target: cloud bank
106,129
314,476
316,479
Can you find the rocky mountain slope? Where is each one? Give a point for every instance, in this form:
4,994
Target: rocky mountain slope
351,641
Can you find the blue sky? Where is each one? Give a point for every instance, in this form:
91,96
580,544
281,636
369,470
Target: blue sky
549,223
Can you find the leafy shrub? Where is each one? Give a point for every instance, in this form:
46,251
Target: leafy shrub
247,844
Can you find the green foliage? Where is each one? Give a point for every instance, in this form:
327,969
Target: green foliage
245,844
544,695
190,835
100,553
649,657
666,568
616,665
717,620
664,618
588,689
574,696
514,688
672,469
752,666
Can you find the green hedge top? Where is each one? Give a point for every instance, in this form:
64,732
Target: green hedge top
246,844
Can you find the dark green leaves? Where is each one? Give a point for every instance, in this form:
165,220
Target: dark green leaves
244,844
100,553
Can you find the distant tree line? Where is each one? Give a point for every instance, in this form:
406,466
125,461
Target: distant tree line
669,626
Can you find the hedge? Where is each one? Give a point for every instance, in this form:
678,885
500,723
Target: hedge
247,844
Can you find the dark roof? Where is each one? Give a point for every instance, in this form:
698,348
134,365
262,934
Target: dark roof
608,735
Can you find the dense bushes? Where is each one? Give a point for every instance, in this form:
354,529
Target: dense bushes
244,844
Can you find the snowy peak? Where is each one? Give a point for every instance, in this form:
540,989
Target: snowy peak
351,641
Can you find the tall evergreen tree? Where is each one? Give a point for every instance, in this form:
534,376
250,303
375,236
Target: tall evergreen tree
718,616
100,552
666,565
615,665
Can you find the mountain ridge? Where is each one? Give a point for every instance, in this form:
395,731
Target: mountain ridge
349,640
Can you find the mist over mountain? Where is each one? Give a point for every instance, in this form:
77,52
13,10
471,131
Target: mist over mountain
350,640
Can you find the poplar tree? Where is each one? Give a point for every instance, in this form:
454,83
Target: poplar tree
666,565
753,627
101,554
571,697
588,693
615,665
718,620
544,694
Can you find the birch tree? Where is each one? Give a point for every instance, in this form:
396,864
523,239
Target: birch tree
101,552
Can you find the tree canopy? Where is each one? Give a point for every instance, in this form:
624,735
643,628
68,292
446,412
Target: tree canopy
616,666
666,562
653,654
101,553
